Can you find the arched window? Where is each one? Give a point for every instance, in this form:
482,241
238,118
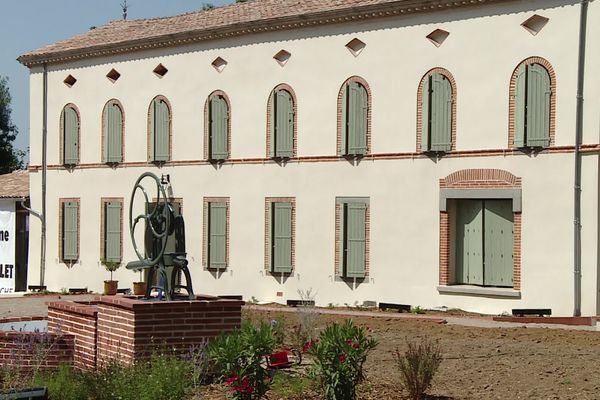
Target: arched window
70,135
159,123
112,132
436,108
532,104
281,137
217,138
354,106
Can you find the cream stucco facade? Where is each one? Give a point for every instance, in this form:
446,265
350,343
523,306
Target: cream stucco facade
485,45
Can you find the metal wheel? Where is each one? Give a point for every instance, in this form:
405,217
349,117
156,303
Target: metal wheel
159,220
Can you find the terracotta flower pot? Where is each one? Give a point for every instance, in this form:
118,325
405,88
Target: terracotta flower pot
139,288
110,287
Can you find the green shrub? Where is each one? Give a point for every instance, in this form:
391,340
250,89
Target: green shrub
339,356
64,383
418,366
238,358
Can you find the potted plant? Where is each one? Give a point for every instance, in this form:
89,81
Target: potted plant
139,288
110,287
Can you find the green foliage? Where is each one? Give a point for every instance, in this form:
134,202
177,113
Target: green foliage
418,366
111,266
207,6
417,310
338,359
290,387
278,325
238,358
64,383
10,158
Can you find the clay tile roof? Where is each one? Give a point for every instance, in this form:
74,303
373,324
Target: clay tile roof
14,185
236,19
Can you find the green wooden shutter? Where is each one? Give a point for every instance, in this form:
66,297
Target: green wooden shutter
113,134
498,243
469,247
217,238
425,114
281,237
112,232
284,124
441,113
219,121
357,119
70,129
538,106
161,131
355,240
520,106
70,231
272,124
344,134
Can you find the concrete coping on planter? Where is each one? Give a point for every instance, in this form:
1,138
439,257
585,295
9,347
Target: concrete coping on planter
88,308
138,302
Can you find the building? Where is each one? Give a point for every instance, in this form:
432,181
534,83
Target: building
14,231
407,151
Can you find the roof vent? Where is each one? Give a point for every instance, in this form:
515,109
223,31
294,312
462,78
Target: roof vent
160,70
113,75
534,24
70,80
219,64
355,46
438,37
282,57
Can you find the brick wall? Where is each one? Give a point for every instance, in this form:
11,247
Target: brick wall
27,349
129,328
77,319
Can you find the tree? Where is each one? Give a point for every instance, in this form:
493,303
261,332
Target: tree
10,158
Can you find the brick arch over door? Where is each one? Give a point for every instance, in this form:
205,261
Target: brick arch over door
450,77
340,123
512,95
474,184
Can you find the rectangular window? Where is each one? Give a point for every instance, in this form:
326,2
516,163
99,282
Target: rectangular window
279,234
484,239
112,230
70,230
352,233
216,230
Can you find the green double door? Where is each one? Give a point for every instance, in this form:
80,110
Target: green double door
484,242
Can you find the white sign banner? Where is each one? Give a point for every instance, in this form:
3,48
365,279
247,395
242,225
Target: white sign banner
7,246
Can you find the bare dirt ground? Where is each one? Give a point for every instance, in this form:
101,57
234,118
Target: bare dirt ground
478,363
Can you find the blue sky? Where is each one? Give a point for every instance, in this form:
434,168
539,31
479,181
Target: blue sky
29,24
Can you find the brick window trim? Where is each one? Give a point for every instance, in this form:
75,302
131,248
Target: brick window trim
512,94
103,202
340,201
479,179
206,201
450,77
287,88
149,129
268,218
61,202
207,122
103,130
340,123
61,129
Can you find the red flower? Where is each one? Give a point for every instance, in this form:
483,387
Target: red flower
352,344
307,346
232,379
342,358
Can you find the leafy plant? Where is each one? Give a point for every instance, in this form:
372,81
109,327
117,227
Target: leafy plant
305,331
197,357
418,366
417,310
111,266
339,356
64,383
238,358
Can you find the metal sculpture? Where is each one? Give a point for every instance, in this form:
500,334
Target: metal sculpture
164,255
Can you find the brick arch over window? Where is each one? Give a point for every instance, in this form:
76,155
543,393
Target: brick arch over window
363,83
103,128
207,121
512,96
450,77
478,184
149,127
287,88
62,133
